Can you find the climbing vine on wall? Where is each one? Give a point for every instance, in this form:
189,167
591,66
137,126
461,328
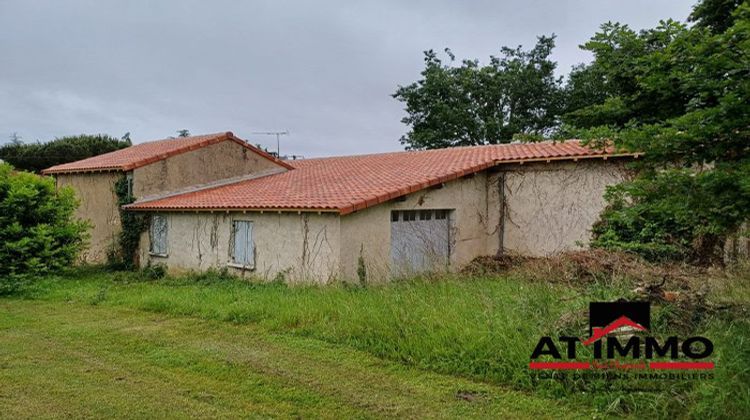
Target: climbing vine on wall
133,224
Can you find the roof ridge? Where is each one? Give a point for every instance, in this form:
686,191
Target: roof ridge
478,146
185,138
128,158
204,137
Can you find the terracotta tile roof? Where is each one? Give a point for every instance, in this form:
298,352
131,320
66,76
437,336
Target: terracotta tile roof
350,183
145,153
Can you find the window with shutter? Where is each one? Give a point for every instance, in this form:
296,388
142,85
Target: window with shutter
129,182
158,235
243,250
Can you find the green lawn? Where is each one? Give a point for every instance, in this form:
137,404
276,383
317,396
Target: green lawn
69,359
94,343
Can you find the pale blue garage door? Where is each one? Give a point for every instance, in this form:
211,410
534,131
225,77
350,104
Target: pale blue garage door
420,241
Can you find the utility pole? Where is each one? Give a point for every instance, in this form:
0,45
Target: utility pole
277,134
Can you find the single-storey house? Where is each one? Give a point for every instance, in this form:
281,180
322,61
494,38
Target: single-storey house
217,202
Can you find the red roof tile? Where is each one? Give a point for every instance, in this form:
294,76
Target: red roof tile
146,153
349,183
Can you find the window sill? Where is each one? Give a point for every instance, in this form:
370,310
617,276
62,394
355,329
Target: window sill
158,255
241,267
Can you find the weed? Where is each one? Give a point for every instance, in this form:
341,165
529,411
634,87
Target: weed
154,271
101,295
361,267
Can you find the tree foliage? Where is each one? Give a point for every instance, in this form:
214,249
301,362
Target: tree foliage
610,91
469,104
37,156
681,95
38,233
716,15
676,214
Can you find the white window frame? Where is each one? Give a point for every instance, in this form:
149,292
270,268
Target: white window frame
248,263
158,218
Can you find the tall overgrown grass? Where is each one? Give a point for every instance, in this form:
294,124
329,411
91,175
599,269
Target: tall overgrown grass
482,325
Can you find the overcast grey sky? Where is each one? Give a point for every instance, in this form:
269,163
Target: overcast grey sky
324,70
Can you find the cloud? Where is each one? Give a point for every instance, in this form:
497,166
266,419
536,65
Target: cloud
323,70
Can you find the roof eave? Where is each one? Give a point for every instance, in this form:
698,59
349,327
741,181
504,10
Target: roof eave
50,171
359,205
233,209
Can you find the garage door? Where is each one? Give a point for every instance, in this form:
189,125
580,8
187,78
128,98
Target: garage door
420,241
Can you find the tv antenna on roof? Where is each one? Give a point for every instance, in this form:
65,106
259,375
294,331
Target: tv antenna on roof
277,134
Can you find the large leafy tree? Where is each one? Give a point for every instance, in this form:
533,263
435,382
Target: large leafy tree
37,156
611,90
681,94
469,104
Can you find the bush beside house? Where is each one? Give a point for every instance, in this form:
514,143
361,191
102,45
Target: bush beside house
38,233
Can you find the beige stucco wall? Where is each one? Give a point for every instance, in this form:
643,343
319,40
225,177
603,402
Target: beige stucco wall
369,230
300,247
311,247
551,207
211,163
98,205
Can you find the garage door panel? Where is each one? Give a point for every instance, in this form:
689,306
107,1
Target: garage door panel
420,241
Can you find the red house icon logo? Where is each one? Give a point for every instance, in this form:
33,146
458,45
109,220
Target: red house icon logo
608,317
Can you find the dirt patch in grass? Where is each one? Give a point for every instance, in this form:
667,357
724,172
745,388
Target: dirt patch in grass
691,292
584,267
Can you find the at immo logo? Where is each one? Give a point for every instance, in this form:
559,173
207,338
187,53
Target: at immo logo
620,330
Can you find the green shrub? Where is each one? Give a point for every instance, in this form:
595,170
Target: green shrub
210,276
38,233
154,271
149,273
675,214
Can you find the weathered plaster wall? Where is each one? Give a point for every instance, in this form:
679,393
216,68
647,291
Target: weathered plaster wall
211,163
550,207
300,247
98,205
369,230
